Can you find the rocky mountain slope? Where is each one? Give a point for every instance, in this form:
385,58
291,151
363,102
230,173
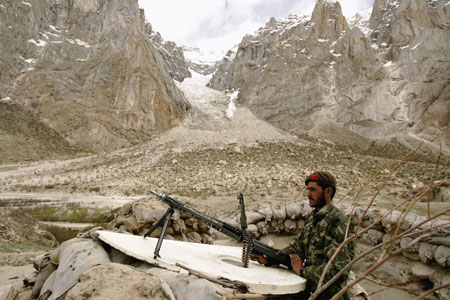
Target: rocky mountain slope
172,54
350,83
87,70
24,137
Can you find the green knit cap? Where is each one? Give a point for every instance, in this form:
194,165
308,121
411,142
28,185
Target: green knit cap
322,177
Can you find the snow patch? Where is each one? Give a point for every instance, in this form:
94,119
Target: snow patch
44,35
26,3
54,28
415,47
207,100
388,64
6,99
361,20
39,43
52,34
30,61
199,57
231,106
79,42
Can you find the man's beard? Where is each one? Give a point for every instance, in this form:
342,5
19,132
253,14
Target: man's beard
321,202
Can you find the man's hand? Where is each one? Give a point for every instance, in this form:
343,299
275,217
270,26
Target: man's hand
259,258
296,263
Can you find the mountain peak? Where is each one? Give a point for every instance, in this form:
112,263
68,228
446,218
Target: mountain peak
329,22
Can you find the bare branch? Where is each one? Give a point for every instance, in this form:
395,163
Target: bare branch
398,284
434,177
376,266
403,161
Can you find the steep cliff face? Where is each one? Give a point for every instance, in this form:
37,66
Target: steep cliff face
172,54
412,39
87,69
348,83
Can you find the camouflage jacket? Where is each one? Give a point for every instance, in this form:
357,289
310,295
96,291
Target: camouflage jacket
323,232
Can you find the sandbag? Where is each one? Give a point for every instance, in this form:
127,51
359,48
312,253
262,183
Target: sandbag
442,256
426,252
293,210
73,261
279,212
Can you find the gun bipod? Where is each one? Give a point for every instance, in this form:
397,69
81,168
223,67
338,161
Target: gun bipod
165,220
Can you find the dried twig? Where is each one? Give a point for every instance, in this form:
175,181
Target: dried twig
12,295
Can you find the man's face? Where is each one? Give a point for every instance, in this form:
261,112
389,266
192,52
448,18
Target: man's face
315,195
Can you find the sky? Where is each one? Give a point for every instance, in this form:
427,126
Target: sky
219,25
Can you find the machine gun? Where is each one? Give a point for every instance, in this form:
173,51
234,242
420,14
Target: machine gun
251,245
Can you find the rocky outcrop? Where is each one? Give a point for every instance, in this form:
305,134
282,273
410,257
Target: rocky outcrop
348,83
411,39
88,70
172,54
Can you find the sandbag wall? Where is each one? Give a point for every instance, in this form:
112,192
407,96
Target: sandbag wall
434,248
138,217
289,218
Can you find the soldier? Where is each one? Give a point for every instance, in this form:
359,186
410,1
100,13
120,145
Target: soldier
323,232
